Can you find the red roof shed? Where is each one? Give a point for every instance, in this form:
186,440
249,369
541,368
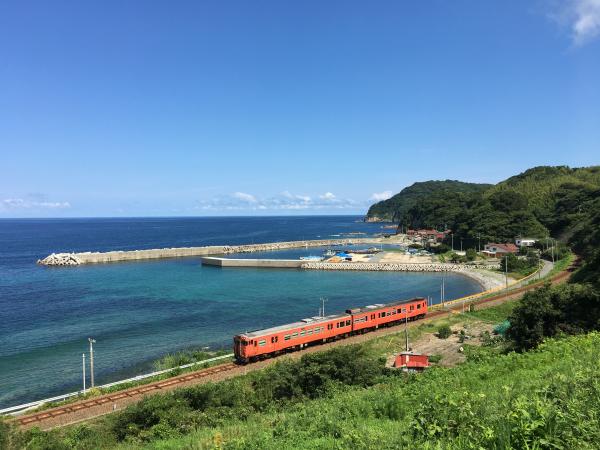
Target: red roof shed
412,361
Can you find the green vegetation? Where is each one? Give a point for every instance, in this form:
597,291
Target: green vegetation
184,357
552,310
548,398
396,208
539,202
522,266
444,331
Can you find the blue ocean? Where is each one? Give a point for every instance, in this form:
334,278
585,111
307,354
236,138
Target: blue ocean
139,311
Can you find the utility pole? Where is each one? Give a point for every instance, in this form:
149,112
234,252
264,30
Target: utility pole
452,234
92,342
479,237
323,299
461,239
506,272
83,367
406,330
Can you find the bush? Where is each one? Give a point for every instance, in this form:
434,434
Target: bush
444,332
550,310
471,254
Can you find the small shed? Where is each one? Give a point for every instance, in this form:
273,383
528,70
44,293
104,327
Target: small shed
411,361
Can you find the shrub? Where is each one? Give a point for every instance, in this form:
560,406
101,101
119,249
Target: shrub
444,332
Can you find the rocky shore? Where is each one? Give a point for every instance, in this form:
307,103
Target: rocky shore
481,273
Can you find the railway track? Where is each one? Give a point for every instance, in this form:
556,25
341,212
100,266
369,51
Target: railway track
94,407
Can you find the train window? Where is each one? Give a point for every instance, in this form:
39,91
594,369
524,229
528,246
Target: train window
393,312
399,310
348,322
388,313
412,307
287,337
303,332
272,340
294,335
419,306
255,343
403,310
262,342
373,316
309,332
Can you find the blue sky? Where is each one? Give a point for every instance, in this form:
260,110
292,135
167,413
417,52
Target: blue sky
280,107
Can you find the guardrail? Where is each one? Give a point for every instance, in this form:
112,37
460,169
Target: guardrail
14,410
479,295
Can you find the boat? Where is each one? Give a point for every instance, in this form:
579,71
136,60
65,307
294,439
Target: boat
311,258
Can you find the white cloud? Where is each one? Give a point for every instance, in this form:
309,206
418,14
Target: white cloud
20,204
327,196
587,22
379,196
285,201
249,198
580,17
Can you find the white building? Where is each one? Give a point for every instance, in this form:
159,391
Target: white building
525,242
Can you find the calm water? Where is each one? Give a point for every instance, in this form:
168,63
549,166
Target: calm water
140,311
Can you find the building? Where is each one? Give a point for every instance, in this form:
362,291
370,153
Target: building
428,235
525,242
411,361
499,250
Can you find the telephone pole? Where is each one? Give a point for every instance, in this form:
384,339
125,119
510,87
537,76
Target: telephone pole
83,367
92,342
506,272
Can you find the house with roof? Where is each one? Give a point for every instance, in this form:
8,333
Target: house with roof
499,250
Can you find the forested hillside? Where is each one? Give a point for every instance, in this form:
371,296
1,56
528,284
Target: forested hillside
543,201
395,208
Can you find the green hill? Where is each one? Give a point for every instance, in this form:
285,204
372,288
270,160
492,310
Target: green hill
395,208
539,202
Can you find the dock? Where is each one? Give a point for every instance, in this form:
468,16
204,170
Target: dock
247,262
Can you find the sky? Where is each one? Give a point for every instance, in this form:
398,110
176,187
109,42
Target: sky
195,108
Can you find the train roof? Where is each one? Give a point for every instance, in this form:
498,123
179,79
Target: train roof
302,323
383,305
317,319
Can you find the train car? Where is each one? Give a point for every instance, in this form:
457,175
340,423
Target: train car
258,344
373,316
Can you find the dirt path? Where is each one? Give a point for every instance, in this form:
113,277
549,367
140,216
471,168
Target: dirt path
105,404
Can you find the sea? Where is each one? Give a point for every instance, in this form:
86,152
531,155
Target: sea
140,311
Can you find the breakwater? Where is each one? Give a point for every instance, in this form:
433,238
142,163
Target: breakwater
397,267
75,259
260,263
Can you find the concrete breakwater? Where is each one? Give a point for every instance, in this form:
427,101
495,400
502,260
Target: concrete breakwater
259,263
75,259
433,267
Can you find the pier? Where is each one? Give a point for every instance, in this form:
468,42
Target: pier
76,259
260,263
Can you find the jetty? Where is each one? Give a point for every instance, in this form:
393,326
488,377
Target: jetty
260,263
76,259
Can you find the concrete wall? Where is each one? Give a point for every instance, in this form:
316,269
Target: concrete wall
73,259
261,263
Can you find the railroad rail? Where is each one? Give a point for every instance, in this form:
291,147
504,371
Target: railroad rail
110,400
105,404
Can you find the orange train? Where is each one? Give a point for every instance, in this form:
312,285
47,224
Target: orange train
254,345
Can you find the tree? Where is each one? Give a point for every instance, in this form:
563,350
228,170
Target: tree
471,254
550,310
